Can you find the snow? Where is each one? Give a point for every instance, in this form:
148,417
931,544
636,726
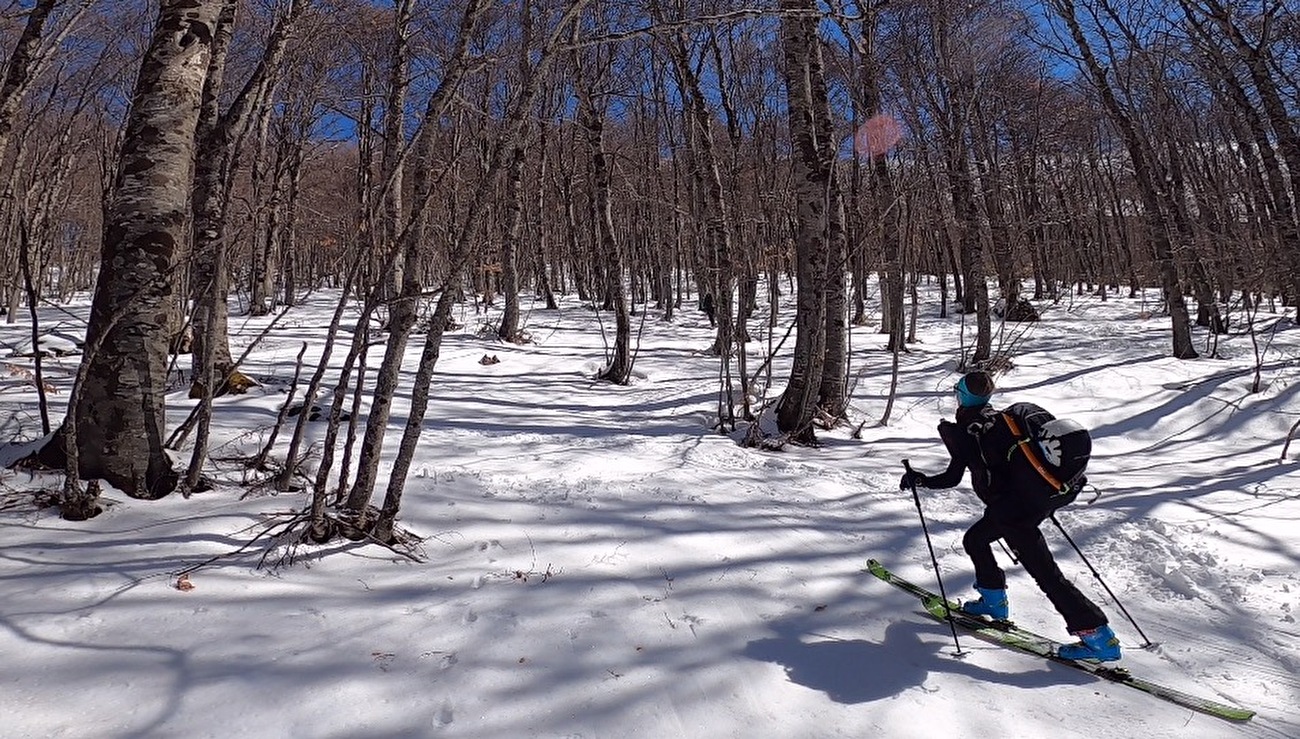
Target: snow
601,563
52,344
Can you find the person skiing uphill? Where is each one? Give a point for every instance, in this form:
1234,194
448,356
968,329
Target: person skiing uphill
1009,480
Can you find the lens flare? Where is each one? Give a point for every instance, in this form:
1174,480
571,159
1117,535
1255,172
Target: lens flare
877,135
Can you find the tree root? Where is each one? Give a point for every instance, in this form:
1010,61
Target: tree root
283,538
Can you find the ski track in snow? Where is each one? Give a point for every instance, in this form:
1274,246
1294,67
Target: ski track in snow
601,563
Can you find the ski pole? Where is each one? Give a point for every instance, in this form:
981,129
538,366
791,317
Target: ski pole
1103,582
933,559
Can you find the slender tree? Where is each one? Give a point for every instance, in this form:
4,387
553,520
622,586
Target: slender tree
806,94
592,114
219,136
403,309
1149,180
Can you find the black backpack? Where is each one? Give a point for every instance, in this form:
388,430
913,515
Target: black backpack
1038,450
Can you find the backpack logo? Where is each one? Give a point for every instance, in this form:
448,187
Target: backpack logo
1051,447
1049,438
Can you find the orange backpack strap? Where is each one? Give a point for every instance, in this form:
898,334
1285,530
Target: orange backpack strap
1027,445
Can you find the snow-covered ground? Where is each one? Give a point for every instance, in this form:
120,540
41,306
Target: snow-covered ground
600,563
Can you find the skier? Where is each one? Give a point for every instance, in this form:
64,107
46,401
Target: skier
1015,505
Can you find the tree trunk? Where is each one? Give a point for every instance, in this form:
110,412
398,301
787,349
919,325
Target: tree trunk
509,328
396,487
592,117
120,419
805,93
19,71
1259,66
541,230
266,188
289,246
971,253
718,277
832,393
218,138
988,169
386,381
402,312
507,140
883,209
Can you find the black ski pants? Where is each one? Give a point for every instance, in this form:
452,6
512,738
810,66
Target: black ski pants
1027,543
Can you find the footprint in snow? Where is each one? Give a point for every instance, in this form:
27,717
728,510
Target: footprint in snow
445,715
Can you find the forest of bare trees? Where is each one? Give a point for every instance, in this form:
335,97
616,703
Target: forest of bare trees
189,160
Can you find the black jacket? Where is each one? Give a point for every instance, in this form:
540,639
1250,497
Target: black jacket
1010,488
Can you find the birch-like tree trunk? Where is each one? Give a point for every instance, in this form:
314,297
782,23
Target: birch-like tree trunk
883,208
393,154
719,278
833,391
805,91
514,206
19,71
217,141
1262,67
541,230
591,115
118,424
955,93
265,179
507,141
403,310
218,137
32,53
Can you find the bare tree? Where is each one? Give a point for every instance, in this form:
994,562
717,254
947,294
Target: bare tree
514,206
394,149
220,134
33,52
592,112
1274,135
1148,178
403,309
807,103
715,270
500,148
117,427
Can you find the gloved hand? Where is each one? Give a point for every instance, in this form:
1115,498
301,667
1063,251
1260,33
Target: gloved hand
911,478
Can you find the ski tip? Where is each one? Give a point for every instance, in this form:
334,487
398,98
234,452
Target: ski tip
1231,713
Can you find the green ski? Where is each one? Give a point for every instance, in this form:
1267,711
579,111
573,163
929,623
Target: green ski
1008,634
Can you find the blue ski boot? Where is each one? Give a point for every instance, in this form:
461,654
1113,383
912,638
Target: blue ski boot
992,603
1100,644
